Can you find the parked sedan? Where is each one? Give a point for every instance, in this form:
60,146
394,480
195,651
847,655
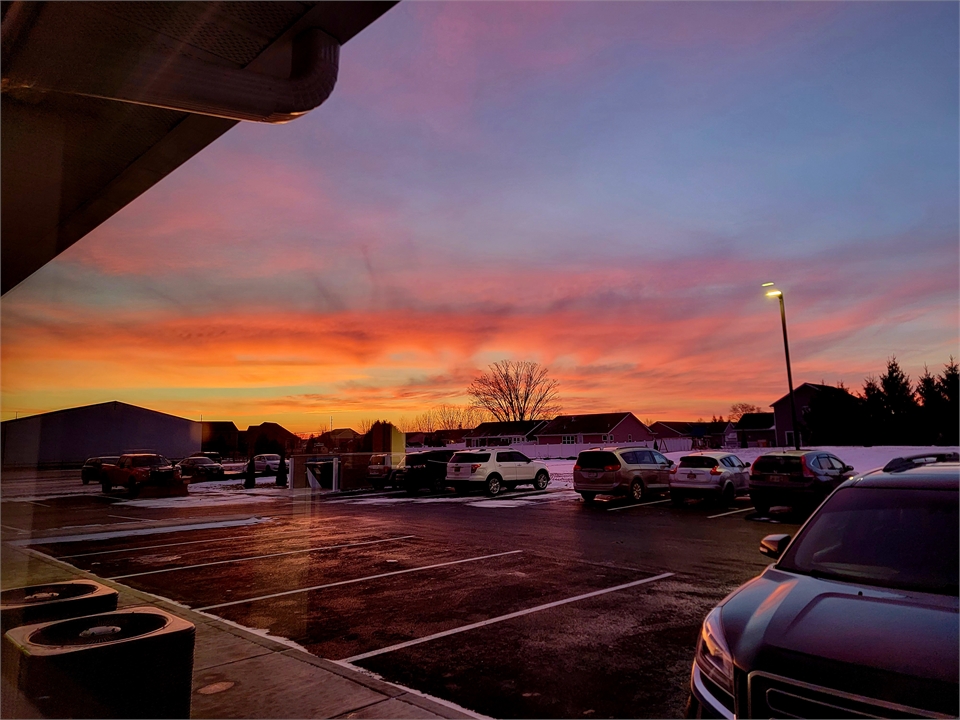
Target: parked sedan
718,476
92,469
858,617
267,464
200,468
800,479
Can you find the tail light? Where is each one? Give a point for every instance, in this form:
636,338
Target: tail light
611,468
807,472
576,467
715,470
673,470
474,467
752,466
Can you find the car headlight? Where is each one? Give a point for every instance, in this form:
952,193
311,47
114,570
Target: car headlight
713,655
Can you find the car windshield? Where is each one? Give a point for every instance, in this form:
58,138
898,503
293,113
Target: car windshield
202,461
778,464
466,457
897,538
698,461
148,461
596,460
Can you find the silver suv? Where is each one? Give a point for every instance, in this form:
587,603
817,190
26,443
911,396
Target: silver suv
630,471
493,469
719,476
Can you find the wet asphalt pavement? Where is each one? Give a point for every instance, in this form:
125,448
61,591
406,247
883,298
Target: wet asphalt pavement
351,578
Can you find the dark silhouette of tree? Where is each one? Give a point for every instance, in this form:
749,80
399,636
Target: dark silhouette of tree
901,406
948,383
874,412
516,390
738,410
932,406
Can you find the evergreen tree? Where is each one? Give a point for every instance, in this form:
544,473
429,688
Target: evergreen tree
901,406
948,383
931,409
874,412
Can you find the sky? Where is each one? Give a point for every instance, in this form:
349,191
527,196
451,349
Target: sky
600,187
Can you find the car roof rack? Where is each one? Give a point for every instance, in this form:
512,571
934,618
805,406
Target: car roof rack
911,461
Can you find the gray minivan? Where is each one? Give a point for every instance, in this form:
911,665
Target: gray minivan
628,471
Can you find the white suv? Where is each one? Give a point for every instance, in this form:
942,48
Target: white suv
495,468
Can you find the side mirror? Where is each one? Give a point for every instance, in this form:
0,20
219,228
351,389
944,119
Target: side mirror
773,545
669,463
848,468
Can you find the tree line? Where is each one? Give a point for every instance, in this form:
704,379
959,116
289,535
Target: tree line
889,410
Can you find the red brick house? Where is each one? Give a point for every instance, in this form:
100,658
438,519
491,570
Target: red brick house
599,428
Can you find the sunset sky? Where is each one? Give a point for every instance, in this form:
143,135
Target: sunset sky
600,187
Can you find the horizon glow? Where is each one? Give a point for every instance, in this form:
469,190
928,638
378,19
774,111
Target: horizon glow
601,187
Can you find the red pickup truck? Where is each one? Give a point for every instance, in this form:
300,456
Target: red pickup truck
134,470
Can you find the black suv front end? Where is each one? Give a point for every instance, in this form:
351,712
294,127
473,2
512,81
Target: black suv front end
857,618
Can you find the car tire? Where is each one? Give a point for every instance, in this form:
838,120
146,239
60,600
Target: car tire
636,490
133,489
677,498
105,486
761,505
588,497
729,495
438,486
494,485
540,482
85,480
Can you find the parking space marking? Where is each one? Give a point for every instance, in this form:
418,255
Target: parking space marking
15,529
193,542
111,535
502,618
127,517
260,557
732,512
357,580
627,507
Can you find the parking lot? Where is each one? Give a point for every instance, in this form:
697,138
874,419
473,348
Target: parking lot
531,604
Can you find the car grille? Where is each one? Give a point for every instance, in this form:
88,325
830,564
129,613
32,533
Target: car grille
772,696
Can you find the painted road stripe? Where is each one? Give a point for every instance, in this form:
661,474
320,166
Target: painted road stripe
259,557
132,533
732,512
15,529
127,517
357,580
501,618
208,541
627,507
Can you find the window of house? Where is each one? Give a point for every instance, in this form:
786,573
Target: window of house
629,438
569,440
606,438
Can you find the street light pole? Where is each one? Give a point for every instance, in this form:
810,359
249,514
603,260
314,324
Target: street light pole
786,352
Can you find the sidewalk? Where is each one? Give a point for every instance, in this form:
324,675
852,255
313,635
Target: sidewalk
237,673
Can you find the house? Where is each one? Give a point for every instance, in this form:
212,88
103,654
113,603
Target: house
672,435
803,396
415,439
449,436
221,437
713,435
613,428
269,437
515,432
62,438
757,430
340,440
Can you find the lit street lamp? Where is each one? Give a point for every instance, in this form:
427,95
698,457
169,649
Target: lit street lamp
786,350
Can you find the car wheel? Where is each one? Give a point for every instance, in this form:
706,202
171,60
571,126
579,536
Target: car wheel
494,485
84,480
677,498
105,486
438,486
588,497
729,494
132,488
540,482
636,490
762,505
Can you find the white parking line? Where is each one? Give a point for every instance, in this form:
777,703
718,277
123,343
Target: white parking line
112,535
356,580
627,507
259,557
126,517
208,541
732,512
501,618
15,529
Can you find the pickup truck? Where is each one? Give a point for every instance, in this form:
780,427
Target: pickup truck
134,470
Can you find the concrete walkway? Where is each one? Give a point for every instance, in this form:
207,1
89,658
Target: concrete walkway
237,673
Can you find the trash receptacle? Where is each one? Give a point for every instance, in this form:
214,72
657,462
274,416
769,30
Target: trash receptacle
54,601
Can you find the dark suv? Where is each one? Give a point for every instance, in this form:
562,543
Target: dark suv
858,616
800,479
425,470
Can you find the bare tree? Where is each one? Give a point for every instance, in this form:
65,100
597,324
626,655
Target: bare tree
516,390
425,422
366,424
457,417
738,410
